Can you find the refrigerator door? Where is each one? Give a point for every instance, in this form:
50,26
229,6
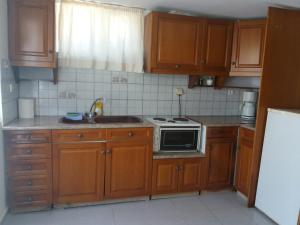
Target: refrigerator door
278,193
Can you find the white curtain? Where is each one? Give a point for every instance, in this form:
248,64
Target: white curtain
98,36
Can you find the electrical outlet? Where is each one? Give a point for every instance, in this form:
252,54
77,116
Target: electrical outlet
11,88
230,92
179,91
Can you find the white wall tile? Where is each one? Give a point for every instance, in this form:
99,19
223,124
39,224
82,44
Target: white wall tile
127,93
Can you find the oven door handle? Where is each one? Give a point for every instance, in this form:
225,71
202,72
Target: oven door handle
179,129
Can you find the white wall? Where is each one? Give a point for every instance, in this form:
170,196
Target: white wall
4,72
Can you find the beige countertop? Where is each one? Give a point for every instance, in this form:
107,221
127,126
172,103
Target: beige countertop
178,155
53,122
221,121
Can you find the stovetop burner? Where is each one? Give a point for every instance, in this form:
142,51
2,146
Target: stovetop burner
159,119
180,119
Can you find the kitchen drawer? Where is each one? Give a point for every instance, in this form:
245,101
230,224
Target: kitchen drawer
29,151
30,199
30,183
29,167
129,134
64,136
221,132
27,136
246,133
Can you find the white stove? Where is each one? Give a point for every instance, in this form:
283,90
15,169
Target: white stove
173,122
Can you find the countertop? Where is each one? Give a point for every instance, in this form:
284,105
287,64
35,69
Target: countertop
222,121
53,122
178,155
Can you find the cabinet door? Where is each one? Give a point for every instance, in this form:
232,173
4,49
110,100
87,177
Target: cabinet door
128,169
216,56
78,172
244,159
177,43
165,176
191,175
220,162
31,32
248,47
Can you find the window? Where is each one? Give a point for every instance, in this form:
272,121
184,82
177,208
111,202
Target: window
98,36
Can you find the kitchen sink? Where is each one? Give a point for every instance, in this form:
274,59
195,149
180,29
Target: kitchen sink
104,119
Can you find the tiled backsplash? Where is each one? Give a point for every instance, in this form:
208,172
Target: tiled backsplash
127,94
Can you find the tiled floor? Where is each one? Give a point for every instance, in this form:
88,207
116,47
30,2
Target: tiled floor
221,208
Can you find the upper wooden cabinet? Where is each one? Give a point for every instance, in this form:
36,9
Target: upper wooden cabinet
248,47
31,33
216,54
173,43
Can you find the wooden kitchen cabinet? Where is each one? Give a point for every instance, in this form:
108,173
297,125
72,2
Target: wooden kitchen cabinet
165,176
31,33
29,169
244,159
248,47
128,169
177,175
78,171
216,54
220,149
173,43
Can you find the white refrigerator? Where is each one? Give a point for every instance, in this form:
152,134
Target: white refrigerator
278,193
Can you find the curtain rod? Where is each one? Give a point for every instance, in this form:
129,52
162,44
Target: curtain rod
101,3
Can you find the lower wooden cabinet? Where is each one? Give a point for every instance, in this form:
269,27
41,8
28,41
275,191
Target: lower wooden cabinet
78,172
244,159
92,171
221,154
128,169
177,175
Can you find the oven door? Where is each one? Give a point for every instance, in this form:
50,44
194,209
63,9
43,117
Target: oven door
180,139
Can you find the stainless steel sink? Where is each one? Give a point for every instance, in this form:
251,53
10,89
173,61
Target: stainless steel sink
117,119
104,119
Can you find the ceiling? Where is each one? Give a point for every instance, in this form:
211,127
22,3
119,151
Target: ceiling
213,8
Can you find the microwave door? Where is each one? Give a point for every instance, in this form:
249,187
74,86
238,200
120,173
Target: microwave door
183,140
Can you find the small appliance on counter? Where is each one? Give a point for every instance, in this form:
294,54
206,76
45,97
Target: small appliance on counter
26,108
248,108
176,135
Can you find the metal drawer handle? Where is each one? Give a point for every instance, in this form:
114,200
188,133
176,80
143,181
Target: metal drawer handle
80,135
130,134
31,138
29,199
29,183
29,167
177,66
29,151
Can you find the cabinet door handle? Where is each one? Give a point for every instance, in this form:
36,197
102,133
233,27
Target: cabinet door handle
177,168
233,63
80,136
130,134
177,66
102,152
29,199
108,151
50,51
